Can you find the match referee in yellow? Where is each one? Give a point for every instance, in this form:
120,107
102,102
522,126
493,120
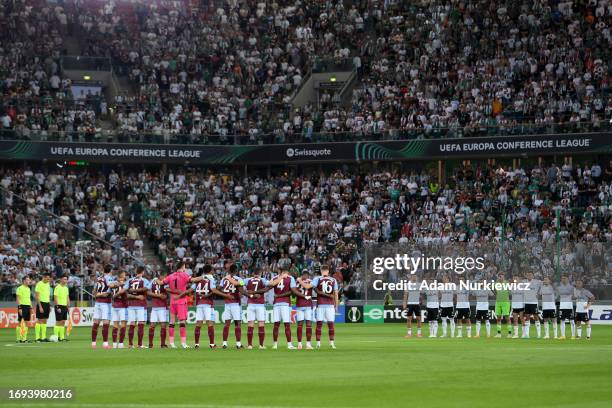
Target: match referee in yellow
24,309
61,298
42,292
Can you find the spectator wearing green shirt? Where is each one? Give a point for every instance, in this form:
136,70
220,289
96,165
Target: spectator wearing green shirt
42,293
24,309
61,298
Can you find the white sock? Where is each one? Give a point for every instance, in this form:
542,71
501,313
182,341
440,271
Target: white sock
488,327
478,328
538,328
579,330
546,330
452,328
526,328
469,331
436,328
459,331
573,324
444,326
516,331
409,331
555,329
562,328
419,330
588,331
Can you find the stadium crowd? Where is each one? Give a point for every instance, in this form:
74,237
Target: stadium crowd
298,221
34,95
227,72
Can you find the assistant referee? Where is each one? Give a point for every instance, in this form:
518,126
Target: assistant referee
61,298
42,292
24,309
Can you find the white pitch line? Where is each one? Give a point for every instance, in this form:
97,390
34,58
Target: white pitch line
22,345
137,405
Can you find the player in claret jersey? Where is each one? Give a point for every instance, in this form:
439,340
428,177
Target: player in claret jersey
204,286
232,285
102,310
327,302
284,286
159,309
177,284
120,314
137,289
255,288
304,309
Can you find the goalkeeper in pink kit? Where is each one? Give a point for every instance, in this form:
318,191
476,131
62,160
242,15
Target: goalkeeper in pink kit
177,283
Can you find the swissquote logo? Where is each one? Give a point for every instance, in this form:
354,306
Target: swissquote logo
307,153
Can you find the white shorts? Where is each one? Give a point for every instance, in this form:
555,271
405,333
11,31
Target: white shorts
137,314
313,314
159,315
205,313
326,314
303,313
281,312
232,311
256,312
102,311
120,314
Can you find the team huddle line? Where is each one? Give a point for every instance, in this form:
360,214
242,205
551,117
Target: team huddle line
123,302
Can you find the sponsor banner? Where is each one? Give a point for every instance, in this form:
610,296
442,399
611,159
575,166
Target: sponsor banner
80,316
9,318
310,152
373,314
601,314
353,314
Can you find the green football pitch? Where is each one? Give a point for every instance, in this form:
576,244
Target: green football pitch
373,366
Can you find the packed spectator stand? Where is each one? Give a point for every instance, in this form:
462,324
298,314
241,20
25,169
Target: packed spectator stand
302,221
226,71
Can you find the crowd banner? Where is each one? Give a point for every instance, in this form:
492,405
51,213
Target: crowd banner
414,149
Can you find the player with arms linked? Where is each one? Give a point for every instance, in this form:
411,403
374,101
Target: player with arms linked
137,289
255,288
204,286
159,309
232,285
177,284
326,289
303,311
284,286
102,308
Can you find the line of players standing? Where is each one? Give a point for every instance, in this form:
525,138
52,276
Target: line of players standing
514,308
122,303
